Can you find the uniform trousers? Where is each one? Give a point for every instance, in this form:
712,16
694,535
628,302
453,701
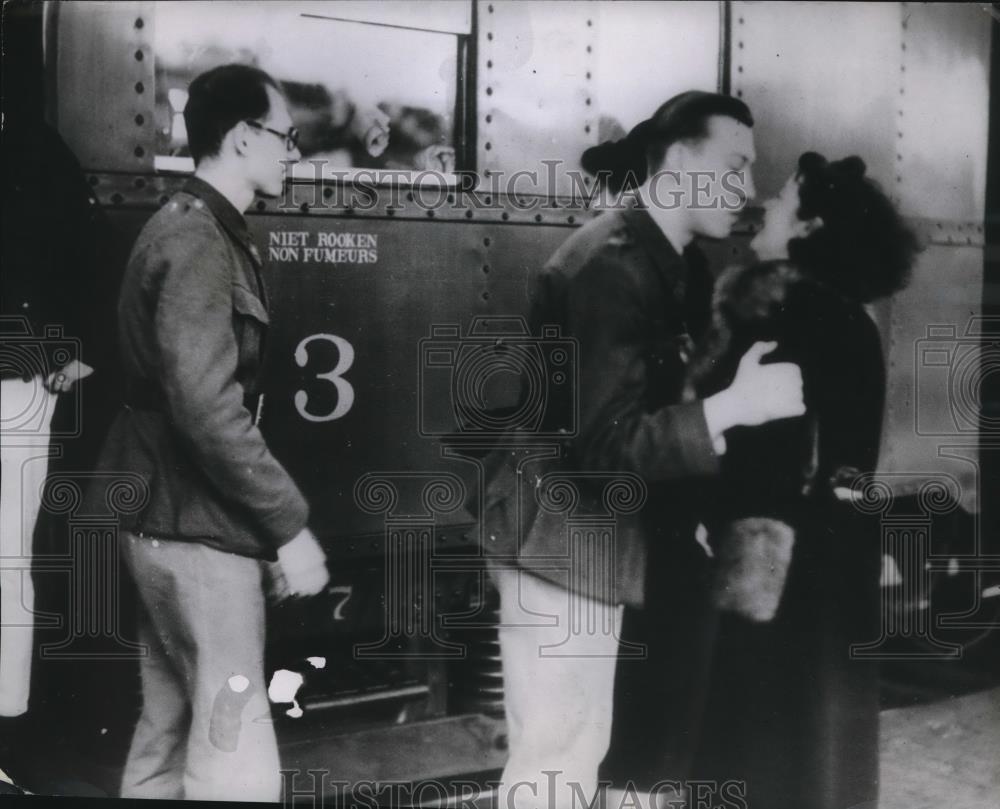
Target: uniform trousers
559,651
205,731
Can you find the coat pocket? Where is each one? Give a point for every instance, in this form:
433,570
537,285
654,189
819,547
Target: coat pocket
250,322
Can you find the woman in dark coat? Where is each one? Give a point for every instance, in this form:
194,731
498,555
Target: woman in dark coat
790,713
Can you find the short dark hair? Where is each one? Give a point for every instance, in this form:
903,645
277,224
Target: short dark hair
218,100
864,247
627,162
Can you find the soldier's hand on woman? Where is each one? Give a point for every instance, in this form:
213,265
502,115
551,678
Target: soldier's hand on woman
758,394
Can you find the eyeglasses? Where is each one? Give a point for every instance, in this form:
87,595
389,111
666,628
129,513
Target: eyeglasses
291,137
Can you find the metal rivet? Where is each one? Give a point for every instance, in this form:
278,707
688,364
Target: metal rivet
489,119
430,214
139,120
139,182
571,219
304,207
589,49
486,269
139,23
505,216
139,151
487,242
489,8
468,214
261,205
489,91
486,296
138,56
538,217
117,199
487,146
489,63
327,193
139,87
588,102
489,35
586,128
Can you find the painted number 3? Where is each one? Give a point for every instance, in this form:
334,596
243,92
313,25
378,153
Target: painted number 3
345,391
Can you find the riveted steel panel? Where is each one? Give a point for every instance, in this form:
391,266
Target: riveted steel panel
536,97
936,362
821,77
104,83
678,40
943,108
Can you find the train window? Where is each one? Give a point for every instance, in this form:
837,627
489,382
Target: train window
341,75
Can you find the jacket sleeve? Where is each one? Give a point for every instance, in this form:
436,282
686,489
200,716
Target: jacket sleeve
199,355
607,316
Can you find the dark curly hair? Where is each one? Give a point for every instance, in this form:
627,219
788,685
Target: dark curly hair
625,163
864,247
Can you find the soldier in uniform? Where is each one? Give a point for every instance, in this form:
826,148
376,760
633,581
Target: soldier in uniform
192,322
624,288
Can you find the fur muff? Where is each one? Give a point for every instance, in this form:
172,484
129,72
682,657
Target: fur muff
753,558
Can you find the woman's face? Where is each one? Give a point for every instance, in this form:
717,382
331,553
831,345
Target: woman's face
781,223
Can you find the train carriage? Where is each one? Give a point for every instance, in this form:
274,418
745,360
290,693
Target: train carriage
398,280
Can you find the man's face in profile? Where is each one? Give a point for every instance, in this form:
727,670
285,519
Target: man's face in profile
720,181
269,153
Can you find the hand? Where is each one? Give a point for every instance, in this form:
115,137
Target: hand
62,381
303,564
371,127
758,394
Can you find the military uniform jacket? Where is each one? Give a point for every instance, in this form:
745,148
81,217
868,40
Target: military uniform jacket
620,290
192,322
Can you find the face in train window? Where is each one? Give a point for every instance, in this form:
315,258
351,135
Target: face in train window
343,80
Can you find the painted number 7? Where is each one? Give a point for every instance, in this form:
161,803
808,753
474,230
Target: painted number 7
345,391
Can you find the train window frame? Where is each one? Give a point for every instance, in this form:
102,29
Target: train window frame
463,135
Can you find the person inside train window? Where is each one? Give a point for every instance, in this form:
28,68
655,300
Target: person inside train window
192,323
632,294
791,713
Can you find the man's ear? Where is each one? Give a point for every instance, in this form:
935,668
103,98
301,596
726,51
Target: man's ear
240,136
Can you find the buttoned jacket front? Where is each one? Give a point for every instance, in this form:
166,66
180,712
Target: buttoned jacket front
620,291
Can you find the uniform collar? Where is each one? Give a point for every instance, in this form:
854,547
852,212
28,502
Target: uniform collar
651,237
223,210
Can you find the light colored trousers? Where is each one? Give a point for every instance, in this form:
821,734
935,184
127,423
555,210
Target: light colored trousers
25,417
559,651
205,731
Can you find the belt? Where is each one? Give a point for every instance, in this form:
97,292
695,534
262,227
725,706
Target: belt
146,396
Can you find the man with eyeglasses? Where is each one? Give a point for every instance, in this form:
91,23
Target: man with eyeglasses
192,323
